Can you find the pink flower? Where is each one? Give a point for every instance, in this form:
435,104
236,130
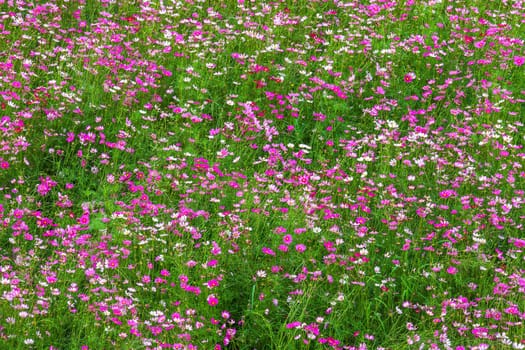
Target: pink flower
70,137
113,263
280,229
156,330
519,60
212,300
268,251
300,248
409,77
501,289
519,243
312,328
512,310
479,44
452,270
304,179
84,219
212,283
447,193
373,10
283,248
293,325
45,185
480,332
183,279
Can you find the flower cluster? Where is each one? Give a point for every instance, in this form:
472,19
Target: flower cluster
307,174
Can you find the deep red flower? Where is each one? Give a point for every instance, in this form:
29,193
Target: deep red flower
468,39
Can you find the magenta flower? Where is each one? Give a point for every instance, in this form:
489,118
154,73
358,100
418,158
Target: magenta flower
479,44
212,263
46,184
447,194
519,243
300,248
212,300
84,219
452,270
409,77
268,251
212,283
373,10
501,289
304,179
480,332
312,328
293,325
113,263
519,60
283,248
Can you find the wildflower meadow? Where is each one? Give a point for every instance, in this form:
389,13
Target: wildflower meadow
248,174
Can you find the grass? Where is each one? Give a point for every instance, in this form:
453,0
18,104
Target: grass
287,175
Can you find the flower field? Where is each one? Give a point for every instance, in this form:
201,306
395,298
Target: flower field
288,174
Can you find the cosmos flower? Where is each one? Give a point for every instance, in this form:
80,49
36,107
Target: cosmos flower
212,300
409,77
